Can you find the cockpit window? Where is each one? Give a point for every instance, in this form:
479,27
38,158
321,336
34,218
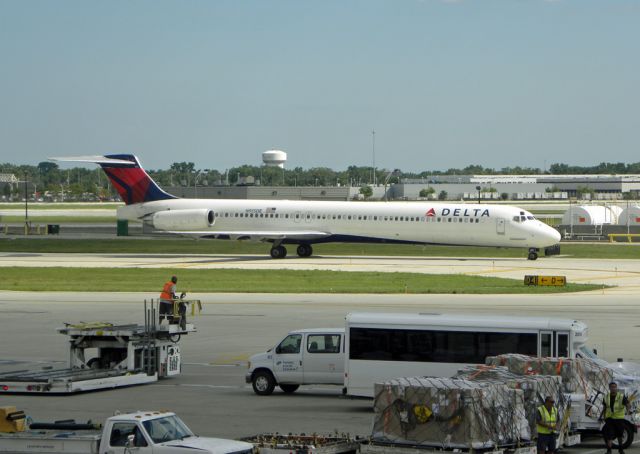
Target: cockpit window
516,219
523,218
531,218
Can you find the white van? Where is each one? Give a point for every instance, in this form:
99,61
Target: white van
303,357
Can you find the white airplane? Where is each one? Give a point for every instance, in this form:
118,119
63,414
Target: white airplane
303,223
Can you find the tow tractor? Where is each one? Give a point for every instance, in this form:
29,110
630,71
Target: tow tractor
126,355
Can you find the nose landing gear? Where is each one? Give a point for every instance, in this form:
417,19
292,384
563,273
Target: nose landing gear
533,253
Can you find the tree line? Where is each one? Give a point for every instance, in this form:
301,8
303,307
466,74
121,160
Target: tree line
83,182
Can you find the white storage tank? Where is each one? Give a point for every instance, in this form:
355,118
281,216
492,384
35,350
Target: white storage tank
589,215
274,158
630,215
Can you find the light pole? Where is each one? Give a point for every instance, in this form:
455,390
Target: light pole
373,157
478,189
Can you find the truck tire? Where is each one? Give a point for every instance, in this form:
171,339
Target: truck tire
263,383
289,388
627,437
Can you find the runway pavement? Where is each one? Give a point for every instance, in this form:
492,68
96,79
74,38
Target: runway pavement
211,393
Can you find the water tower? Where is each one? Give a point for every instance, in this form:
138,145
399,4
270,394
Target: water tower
274,158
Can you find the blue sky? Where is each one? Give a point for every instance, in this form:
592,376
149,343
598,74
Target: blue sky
443,83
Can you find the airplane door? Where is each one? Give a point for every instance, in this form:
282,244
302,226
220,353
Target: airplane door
500,225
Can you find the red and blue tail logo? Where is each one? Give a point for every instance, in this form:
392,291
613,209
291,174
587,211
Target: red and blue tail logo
131,181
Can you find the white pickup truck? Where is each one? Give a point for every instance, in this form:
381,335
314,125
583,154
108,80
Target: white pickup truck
303,357
144,432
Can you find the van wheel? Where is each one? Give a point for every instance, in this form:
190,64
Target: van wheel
263,383
289,388
627,437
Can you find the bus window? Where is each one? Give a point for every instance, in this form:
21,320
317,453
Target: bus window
562,344
546,349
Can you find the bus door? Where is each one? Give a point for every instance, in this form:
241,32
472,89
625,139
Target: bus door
562,345
545,344
500,222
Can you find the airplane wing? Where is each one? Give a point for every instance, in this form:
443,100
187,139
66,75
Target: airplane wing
256,235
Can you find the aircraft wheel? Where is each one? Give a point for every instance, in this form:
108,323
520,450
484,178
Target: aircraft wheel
532,255
278,252
304,250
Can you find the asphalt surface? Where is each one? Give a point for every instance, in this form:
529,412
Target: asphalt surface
211,395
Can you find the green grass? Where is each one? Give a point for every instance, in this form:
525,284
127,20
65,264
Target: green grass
186,246
263,281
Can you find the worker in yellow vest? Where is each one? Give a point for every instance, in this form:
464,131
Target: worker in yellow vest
547,425
616,405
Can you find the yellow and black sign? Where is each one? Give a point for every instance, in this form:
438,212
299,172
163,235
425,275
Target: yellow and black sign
552,281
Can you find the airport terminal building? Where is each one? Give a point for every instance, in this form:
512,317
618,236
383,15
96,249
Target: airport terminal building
443,187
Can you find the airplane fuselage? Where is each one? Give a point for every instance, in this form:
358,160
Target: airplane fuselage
406,222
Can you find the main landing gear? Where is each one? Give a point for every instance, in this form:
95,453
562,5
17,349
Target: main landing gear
533,253
304,250
280,252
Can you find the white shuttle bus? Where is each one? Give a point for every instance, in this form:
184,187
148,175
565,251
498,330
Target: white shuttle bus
383,346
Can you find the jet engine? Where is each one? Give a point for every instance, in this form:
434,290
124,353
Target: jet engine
197,219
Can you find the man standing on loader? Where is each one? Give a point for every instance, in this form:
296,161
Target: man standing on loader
168,298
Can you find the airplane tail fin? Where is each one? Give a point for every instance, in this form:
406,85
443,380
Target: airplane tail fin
127,176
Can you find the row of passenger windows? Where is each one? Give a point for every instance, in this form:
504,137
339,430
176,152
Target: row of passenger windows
350,217
437,346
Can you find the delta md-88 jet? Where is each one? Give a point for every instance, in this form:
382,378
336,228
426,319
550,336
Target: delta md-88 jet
304,223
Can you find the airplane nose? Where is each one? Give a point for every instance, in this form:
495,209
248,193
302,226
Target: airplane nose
552,235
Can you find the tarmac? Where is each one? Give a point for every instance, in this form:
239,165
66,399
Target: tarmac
211,395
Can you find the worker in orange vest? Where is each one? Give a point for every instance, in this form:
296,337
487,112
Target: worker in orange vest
167,298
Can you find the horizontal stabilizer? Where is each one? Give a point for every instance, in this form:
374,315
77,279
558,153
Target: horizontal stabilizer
93,160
